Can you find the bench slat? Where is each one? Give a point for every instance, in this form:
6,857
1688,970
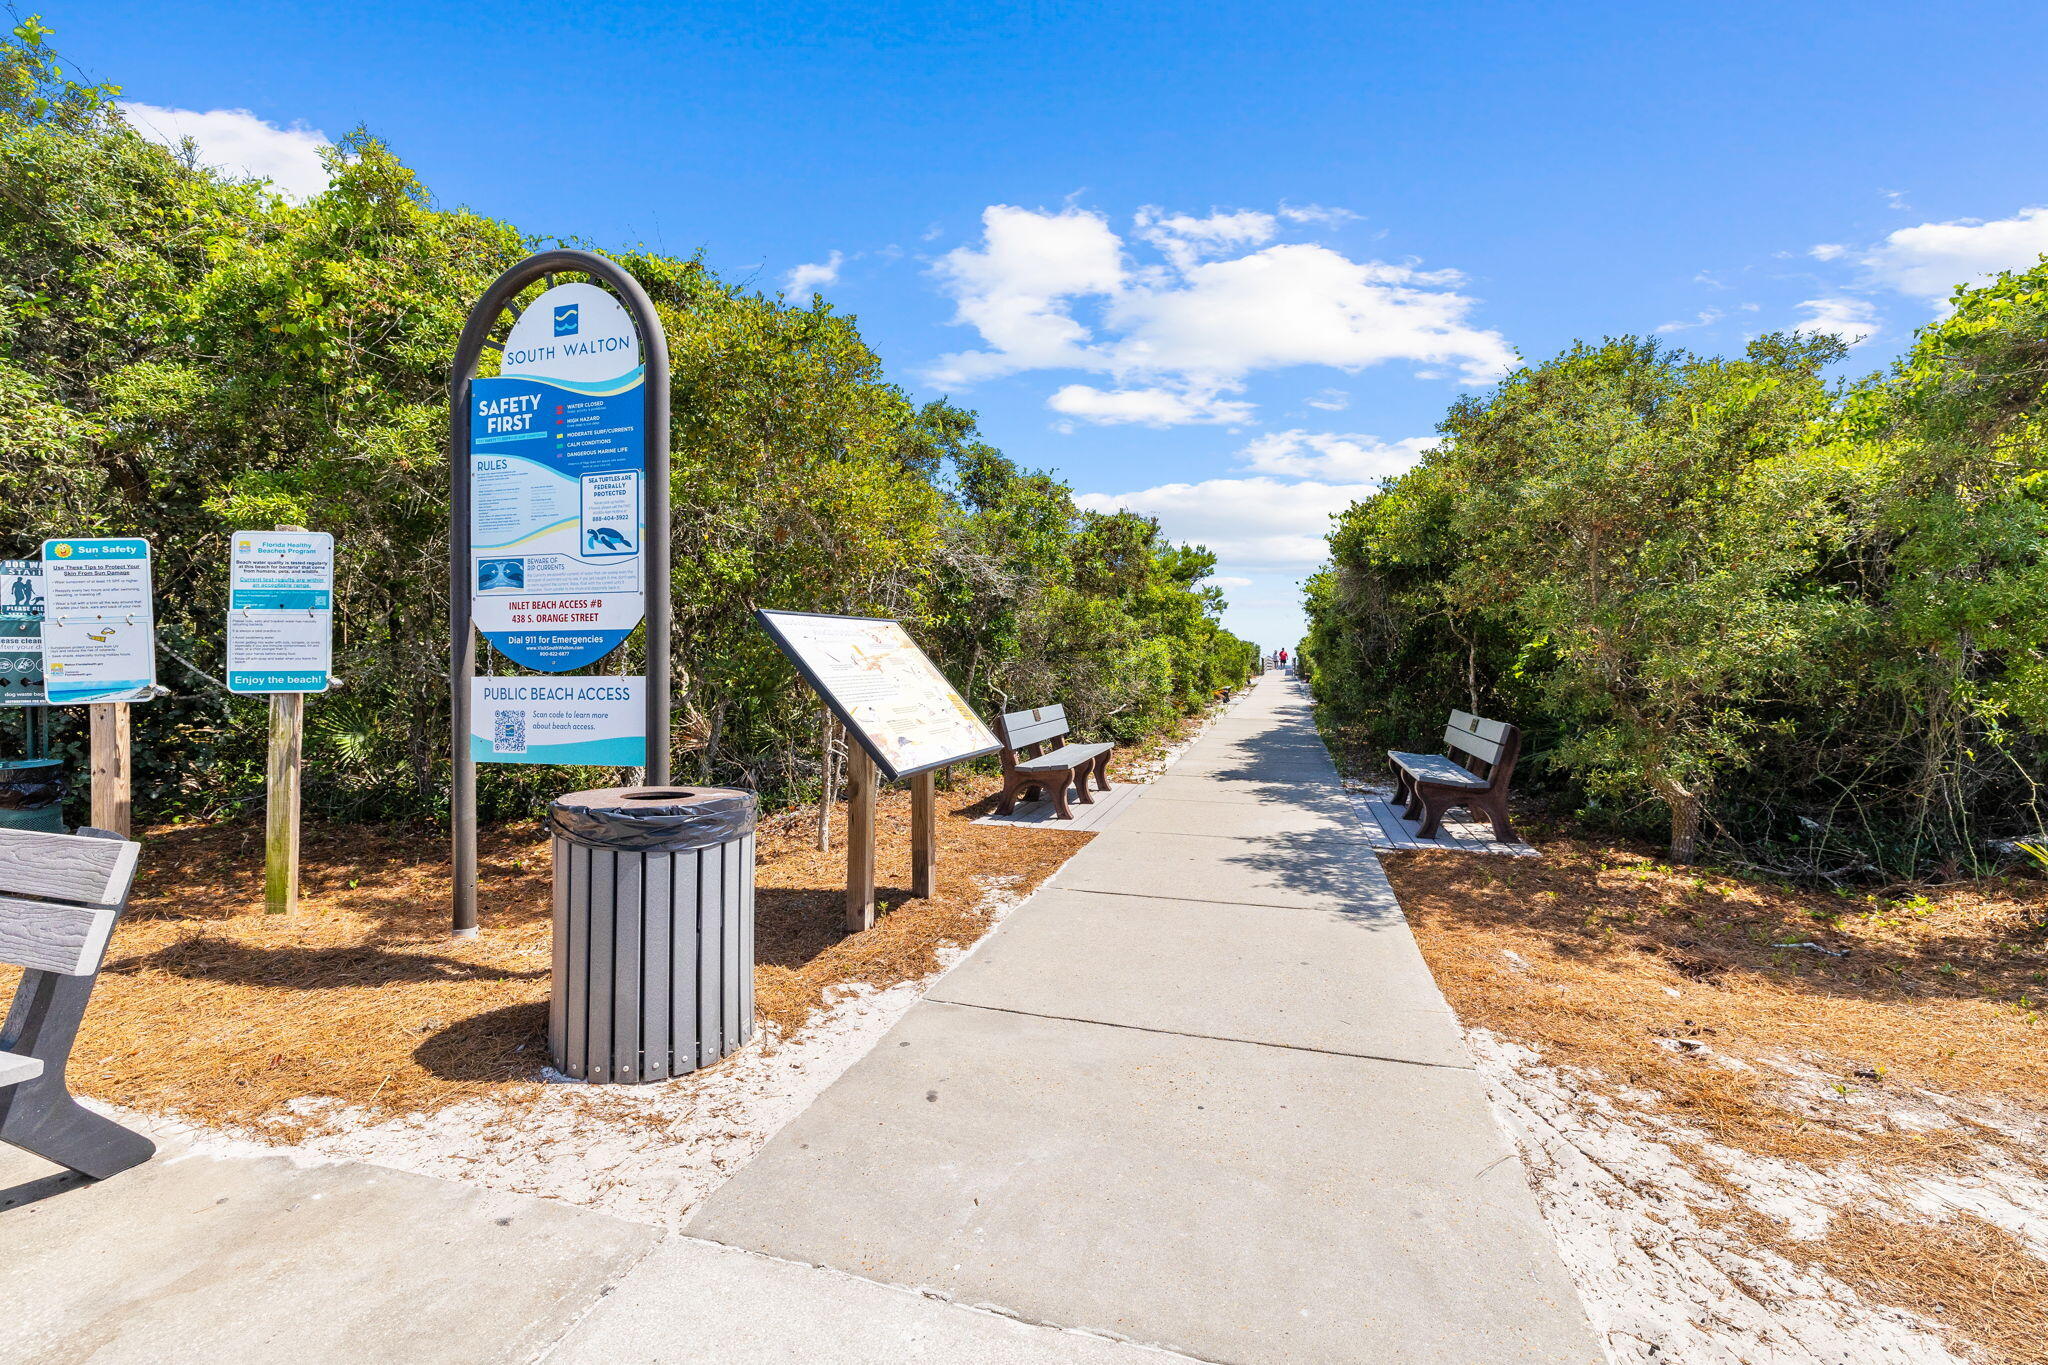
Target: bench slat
1495,730
66,867
1024,728
1066,756
53,938
1475,745
1438,769
15,1068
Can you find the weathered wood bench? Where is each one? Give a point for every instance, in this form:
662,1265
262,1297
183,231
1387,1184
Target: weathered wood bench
1474,774
60,897
1027,772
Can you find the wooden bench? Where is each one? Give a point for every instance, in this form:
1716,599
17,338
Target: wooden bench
60,897
1473,775
1023,733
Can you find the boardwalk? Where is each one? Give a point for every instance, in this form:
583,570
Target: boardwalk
1388,831
1200,1092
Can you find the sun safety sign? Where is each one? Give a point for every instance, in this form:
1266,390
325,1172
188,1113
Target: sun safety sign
99,621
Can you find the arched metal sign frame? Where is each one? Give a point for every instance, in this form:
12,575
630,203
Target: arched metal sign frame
476,335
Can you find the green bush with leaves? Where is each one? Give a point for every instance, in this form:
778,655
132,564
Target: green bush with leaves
182,355
1799,623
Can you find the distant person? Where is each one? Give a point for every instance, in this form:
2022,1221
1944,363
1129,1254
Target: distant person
1283,658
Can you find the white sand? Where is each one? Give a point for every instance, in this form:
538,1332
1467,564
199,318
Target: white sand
1664,1287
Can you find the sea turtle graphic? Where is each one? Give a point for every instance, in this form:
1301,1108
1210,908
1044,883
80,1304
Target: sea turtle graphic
604,538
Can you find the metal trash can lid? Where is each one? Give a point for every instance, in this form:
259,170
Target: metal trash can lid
653,819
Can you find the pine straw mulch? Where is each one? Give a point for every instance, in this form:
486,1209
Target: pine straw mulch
209,1009
1781,1022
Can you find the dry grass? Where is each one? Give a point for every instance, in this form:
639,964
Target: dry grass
1785,1023
211,1009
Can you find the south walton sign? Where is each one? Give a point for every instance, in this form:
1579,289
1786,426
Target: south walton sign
559,525
558,472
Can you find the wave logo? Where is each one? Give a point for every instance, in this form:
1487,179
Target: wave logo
565,320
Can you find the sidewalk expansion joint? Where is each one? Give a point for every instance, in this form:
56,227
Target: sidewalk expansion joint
1235,838
1205,1037
1052,884
932,1294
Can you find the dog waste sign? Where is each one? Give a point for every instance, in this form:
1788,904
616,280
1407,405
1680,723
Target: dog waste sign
99,621
557,463
21,632
280,611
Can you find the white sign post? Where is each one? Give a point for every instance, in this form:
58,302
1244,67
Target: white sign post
99,650
281,643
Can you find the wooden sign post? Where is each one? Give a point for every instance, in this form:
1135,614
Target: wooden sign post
281,645
861,795
924,833
113,746
99,652
281,808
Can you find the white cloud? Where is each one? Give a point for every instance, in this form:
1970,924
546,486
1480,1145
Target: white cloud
1014,290
1706,318
1329,456
1853,320
1251,524
1930,260
1300,304
1185,239
812,276
1225,302
1156,407
1331,400
1317,214
1827,251
238,143
1228,581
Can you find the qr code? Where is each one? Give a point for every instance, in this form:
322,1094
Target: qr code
508,732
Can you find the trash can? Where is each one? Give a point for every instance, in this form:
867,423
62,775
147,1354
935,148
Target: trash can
654,930
32,794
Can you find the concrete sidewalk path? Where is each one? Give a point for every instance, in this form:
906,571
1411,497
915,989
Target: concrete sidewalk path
222,1253
220,1257
1199,1093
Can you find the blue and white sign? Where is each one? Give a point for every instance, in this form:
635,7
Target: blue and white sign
558,457
280,611
21,632
596,721
99,621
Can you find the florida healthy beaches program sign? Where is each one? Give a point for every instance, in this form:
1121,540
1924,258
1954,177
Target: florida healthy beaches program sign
886,691
558,460
280,611
99,621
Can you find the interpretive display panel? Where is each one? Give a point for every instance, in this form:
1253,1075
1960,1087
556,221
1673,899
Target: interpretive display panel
558,459
887,693
280,611
99,621
594,721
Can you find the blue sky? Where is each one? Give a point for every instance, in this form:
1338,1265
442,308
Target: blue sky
1225,264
